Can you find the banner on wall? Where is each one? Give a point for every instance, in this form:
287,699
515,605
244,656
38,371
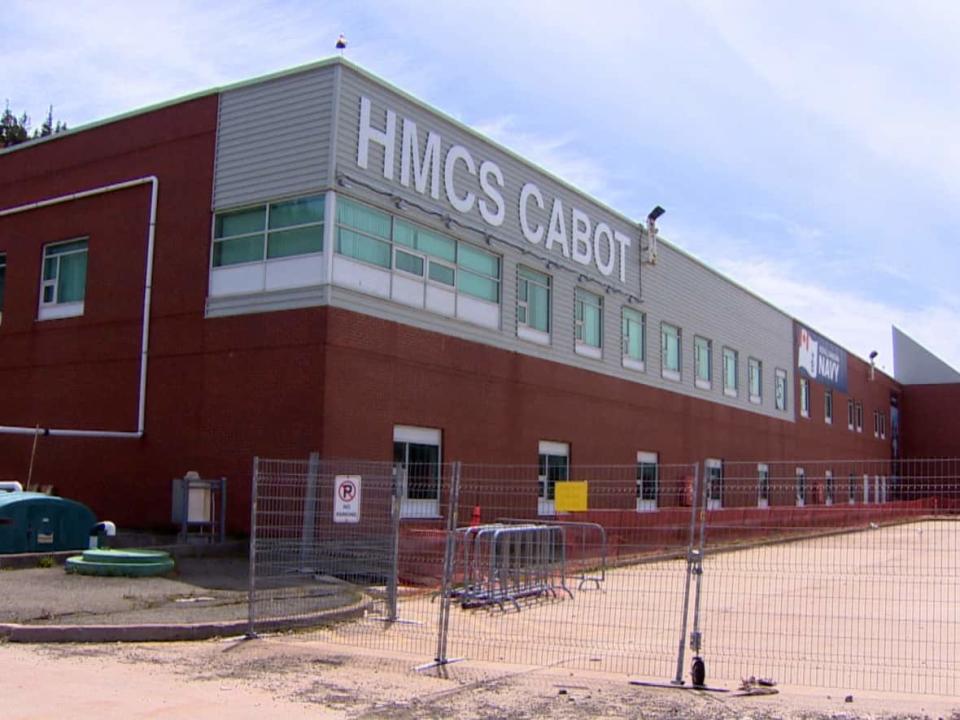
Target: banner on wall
821,360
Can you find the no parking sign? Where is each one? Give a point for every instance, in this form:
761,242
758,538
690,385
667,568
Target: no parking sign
346,499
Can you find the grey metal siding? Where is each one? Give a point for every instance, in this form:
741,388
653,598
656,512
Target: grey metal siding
677,289
273,138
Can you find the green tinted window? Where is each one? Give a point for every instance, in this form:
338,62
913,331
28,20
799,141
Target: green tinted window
302,211
441,273
241,222
238,250
478,286
479,261
409,263
299,241
363,247
363,218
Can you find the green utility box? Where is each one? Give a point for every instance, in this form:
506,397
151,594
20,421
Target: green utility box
34,522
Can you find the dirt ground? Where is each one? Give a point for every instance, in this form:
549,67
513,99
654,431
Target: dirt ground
289,677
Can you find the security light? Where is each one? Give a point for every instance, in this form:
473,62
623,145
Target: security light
655,213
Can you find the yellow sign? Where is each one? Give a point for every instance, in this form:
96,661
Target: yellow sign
571,496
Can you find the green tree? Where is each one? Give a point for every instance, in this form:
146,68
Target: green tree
15,130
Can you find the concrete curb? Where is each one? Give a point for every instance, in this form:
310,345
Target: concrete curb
150,632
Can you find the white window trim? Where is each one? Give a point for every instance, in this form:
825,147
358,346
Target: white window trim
628,361
703,384
634,364
729,391
59,310
778,375
755,398
557,449
650,458
579,346
851,414
714,503
666,373
413,509
590,351
828,416
804,398
525,332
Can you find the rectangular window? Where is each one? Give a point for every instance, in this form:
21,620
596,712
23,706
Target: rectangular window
828,407
801,487
849,414
859,409
755,378
763,486
714,469
363,233
703,362
876,423
64,280
883,416
781,389
553,467
634,332
3,281
647,480
804,397
533,304
669,351
478,273
588,322
266,232
729,372
417,451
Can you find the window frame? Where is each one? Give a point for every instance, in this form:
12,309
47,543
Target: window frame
804,397
763,485
647,501
669,373
731,358
266,232
583,300
55,309
858,407
780,389
800,489
547,485
828,406
715,483
525,329
409,435
701,344
850,414
755,368
640,320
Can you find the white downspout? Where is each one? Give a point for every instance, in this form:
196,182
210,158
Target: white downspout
147,293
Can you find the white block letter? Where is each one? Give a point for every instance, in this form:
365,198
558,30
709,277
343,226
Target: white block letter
410,159
370,134
458,152
558,229
582,250
603,231
532,234
624,242
495,218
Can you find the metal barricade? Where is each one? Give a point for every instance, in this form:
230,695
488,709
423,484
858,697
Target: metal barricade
505,563
593,565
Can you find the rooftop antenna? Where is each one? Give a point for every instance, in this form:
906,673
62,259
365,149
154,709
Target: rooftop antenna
873,358
342,43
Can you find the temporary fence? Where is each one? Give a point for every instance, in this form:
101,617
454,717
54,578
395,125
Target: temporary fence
830,574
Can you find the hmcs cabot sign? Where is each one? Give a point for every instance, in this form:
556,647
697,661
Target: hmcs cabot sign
470,184
821,360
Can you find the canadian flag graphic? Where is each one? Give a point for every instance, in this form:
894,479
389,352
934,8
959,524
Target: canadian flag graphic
807,353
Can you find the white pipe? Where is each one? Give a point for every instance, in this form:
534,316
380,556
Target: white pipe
10,486
147,294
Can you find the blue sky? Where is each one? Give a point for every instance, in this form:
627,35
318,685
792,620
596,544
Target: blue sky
810,151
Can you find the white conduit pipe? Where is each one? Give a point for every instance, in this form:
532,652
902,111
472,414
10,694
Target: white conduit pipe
147,292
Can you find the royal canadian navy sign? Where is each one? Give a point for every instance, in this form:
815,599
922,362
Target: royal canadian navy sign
821,360
449,171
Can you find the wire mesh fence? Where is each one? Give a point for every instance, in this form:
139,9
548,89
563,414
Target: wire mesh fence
831,574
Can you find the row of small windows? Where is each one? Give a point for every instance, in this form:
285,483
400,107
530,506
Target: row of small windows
854,411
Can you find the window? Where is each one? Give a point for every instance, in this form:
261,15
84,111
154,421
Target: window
417,451
801,487
828,480
267,232
859,409
828,407
647,477
849,414
3,281
702,354
852,489
435,256
781,389
588,322
533,305
755,378
478,273
883,416
553,467
634,335
670,351
763,485
714,480
876,423
363,233
804,397
64,279
729,372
